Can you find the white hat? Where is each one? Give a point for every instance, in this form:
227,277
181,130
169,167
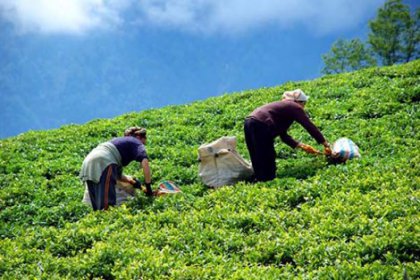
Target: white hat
295,95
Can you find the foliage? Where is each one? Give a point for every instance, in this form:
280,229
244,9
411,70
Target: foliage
394,33
358,220
347,56
394,38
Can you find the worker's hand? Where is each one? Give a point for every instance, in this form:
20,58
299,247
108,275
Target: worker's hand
327,148
136,183
309,149
127,179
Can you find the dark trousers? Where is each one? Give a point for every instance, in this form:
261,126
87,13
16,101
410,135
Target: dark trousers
103,193
260,145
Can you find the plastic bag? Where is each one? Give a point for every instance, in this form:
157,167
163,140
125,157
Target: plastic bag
167,187
344,149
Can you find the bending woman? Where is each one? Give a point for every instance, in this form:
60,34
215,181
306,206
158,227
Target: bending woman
103,166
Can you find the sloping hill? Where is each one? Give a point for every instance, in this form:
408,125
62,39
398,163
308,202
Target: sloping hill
357,220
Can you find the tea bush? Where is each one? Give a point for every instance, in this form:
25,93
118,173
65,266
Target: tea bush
357,220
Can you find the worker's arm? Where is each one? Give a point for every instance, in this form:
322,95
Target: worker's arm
147,176
303,120
286,138
327,148
311,150
127,179
307,148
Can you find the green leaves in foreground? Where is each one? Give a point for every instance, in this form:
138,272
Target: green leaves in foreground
315,221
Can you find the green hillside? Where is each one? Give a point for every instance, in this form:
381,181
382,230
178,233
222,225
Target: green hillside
358,220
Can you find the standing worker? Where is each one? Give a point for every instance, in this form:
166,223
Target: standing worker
267,122
103,166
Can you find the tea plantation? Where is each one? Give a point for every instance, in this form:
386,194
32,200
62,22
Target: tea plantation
358,220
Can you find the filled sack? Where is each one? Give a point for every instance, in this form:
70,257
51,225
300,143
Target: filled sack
220,164
124,192
344,149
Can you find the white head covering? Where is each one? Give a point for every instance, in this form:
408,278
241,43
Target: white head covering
295,95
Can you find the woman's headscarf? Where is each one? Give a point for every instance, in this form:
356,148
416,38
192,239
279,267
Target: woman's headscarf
295,95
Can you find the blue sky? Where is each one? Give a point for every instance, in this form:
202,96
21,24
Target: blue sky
72,61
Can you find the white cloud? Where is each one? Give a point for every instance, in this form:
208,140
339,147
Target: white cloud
208,16
61,16
231,16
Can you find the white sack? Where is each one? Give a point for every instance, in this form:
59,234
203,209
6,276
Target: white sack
220,163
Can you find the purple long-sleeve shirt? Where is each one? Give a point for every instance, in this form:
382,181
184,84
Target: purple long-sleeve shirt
280,115
130,149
